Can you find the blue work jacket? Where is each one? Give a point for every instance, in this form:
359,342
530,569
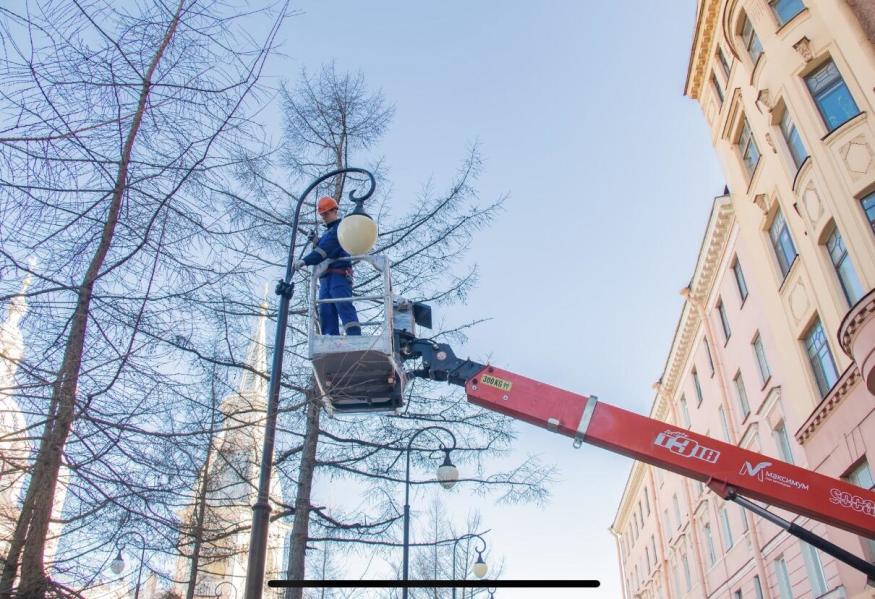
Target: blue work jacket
328,248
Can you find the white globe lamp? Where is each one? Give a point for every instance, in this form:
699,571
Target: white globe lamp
447,473
480,569
118,564
357,232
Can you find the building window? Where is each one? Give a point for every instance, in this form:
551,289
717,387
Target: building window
727,529
741,395
861,475
747,147
820,358
838,254
736,595
832,96
744,525
723,62
653,548
646,502
677,510
786,9
782,243
740,281
709,544
757,588
784,589
724,320
667,524
717,88
869,207
751,40
697,387
762,364
708,355
674,576
647,557
687,578
685,412
723,424
794,141
814,569
782,440
641,513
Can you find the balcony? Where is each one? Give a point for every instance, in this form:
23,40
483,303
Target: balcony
857,338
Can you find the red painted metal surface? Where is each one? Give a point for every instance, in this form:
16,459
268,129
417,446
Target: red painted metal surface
673,448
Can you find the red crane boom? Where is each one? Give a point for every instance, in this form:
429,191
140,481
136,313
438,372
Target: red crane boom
732,472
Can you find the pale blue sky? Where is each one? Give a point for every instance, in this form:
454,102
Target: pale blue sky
579,110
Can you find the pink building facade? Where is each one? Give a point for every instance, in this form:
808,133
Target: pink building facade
775,346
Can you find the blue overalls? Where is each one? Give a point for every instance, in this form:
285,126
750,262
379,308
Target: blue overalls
335,282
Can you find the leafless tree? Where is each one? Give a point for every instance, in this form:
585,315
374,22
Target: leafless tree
118,120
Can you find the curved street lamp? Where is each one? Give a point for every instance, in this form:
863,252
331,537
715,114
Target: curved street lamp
479,569
220,593
118,564
447,475
358,235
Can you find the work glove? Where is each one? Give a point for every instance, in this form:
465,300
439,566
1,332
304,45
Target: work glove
299,265
313,238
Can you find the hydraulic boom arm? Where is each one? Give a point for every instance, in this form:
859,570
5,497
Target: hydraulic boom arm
728,470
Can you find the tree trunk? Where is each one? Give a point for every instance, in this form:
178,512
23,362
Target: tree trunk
300,528
200,513
33,522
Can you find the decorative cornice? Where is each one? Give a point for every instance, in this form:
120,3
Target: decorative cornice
710,255
840,391
703,35
633,483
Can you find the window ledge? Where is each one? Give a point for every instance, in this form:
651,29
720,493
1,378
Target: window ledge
860,116
755,71
789,272
802,167
766,383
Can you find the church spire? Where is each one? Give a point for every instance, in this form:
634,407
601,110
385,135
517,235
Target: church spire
17,306
14,449
252,382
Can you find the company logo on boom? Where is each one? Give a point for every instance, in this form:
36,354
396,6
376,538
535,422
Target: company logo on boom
761,472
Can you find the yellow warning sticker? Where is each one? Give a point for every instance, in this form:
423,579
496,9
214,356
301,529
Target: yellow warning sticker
498,383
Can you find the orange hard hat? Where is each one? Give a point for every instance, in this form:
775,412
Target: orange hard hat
325,204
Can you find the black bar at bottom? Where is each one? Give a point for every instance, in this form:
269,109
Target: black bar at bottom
445,584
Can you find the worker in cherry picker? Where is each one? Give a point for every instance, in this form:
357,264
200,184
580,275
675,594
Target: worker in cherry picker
336,281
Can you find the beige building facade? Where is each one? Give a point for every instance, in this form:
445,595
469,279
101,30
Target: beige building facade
775,346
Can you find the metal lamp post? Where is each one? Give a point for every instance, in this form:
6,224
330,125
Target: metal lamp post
480,568
447,475
285,289
118,564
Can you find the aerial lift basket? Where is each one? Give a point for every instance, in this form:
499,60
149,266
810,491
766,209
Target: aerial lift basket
361,374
